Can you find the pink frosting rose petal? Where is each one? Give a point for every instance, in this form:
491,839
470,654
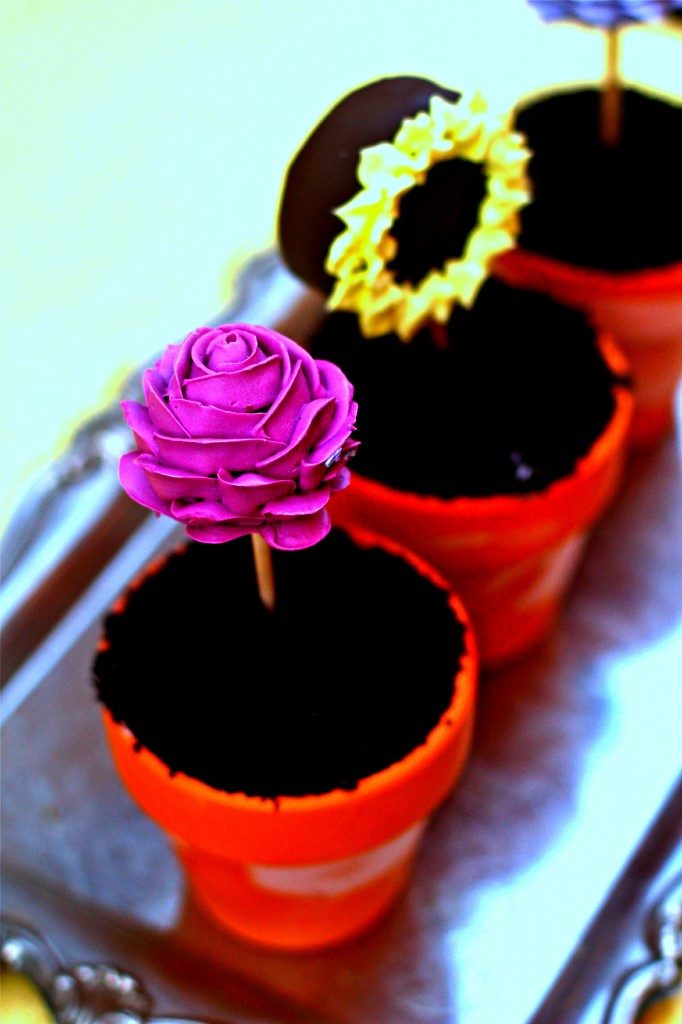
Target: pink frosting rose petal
136,484
340,481
170,483
219,533
242,432
166,364
246,493
252,388
280,419
161,414
332,447
137,418
209,455
289,351
216,351
208,421
298,504
182,364
292,534
310,424
322,467
199,512
335,383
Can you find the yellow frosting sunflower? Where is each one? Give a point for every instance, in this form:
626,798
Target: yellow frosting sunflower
358,258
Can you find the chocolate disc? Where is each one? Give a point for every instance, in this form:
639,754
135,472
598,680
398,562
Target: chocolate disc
322,177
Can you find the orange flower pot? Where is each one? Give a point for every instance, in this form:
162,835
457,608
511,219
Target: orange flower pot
510,557
641,309
305,872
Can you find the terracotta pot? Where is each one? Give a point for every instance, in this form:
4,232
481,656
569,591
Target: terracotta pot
510,557
641,309
305,872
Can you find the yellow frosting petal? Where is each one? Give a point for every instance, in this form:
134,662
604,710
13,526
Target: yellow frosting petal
359,256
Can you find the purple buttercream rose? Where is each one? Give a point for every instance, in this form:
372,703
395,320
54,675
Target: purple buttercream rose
242,432
603,13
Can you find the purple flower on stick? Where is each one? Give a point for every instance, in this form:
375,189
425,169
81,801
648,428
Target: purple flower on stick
241,431
608,14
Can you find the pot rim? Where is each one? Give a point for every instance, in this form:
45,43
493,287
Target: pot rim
642,283
502,506
451,725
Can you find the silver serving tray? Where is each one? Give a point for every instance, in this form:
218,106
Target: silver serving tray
529,892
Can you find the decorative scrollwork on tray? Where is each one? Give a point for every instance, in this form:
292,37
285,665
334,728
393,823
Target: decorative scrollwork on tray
659,976
81,994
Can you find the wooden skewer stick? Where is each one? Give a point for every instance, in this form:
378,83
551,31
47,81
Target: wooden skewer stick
265,576
611,107
439,334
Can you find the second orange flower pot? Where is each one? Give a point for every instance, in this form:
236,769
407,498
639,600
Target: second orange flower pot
511,557
301,872
603,232
641,309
